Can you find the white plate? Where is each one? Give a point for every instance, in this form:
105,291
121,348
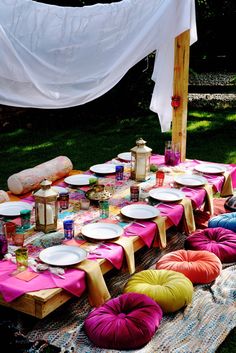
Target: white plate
140,211
210,168
102,231
13,208
78,179
125,156
165,194
62,255
59,189
190,180
106,168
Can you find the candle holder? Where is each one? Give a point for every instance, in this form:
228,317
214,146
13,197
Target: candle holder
46,208
140,161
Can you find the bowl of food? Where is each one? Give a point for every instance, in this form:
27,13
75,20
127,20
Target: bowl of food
98,193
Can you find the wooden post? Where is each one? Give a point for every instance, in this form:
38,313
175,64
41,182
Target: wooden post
180,91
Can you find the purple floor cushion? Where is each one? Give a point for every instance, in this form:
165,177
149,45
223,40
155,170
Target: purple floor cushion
126,322
225,220
199,266
220,241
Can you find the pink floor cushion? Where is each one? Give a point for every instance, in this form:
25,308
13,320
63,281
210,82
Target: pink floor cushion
126,322
220,241
170,289
225,220
199,266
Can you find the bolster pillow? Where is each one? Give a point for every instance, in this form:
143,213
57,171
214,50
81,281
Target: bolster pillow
30,179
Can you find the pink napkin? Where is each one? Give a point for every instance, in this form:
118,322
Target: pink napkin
12,287
197,195
147,234
115,255
174,212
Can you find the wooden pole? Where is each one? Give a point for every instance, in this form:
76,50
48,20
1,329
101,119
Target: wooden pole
180,91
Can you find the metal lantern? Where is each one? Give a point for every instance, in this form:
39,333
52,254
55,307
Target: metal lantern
46,208
140,161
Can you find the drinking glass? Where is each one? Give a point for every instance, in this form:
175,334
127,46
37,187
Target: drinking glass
21,258
168,152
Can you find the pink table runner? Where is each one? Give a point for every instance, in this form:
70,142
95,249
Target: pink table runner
12,287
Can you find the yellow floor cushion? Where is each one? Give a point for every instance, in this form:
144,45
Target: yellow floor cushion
170,289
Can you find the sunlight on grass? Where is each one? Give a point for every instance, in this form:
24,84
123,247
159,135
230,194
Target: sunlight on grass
197,125
199,114
15,133
36,147
231,117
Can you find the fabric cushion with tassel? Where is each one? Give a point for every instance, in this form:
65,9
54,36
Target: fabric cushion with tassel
198,266
220,241
126,322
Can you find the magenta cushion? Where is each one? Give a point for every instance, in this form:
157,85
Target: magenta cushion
126,322
220,241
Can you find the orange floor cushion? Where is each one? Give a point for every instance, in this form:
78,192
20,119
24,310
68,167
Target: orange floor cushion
199,266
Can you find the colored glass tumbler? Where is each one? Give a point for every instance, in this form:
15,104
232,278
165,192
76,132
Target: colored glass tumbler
21,259
104,209
119,172
25,218
160,176
68,229
134,193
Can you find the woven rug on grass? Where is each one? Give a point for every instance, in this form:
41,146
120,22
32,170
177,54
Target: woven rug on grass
199,328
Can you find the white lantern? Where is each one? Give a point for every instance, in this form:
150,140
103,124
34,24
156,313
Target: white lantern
140,161
46,208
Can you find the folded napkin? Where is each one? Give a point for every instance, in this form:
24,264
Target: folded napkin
160,222
127,245
97,289
114,254
147,234
189,221
209,206
227,188
174,212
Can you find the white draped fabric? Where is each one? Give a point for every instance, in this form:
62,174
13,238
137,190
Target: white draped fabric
57,57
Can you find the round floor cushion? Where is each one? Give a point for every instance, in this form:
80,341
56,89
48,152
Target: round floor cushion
126,322
224,220
220,241
198,266
170,289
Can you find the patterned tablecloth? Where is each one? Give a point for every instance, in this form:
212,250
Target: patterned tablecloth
119,252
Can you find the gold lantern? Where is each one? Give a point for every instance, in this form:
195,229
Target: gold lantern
46,208
140,161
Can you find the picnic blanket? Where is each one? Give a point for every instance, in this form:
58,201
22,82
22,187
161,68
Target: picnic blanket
200,327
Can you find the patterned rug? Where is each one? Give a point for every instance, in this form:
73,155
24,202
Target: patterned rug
199,328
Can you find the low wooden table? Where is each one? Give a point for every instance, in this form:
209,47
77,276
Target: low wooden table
41,303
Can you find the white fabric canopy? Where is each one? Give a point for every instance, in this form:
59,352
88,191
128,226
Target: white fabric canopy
57,57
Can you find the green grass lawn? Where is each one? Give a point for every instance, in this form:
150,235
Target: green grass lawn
91,138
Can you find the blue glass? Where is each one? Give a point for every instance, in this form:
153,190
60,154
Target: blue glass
119,172
68,229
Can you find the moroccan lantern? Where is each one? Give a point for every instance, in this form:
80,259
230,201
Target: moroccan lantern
140,161
46,208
